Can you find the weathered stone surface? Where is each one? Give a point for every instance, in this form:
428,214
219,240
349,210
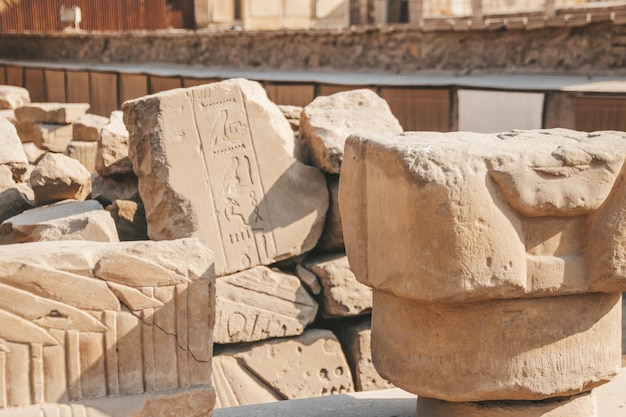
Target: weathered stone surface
112,155
582,405
342,294
12,154
13,202
51,113
12,97
247,199
309,280
109,189
292,114
356,339
328,120
83,152
27,131
33,153
130,219
261,303
68,220
58,177
87,127
309,365
52,137
80,334
332,237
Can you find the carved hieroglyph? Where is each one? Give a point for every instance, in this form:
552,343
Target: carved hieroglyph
85,320
215,162
261,303
497,261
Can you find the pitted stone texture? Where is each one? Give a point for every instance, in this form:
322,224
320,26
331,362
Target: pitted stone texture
332,237
112,154
58,177
88,126
356,339
68,220
83,152
477,216
520,349
582,405
130,219
106,329
12,154
215,162
12,97
328,120
261,303
109,189
342,295
52,137
51,113
310,365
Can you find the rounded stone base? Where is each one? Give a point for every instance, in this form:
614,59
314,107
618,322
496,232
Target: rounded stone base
583,405
518,349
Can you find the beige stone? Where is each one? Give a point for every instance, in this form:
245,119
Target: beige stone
51,113
52,137
309,365
356,339
342,295
328,120
292,114
112,156
13,202
332,237
130,219
27,132
67,220
87,127
33,153
83,152
215,162
118,187
58,177
12,154
8,114
92,346
12,97
261,303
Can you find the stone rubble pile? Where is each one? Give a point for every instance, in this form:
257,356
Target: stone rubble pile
254,183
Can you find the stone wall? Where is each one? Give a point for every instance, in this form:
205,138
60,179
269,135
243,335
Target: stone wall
574,47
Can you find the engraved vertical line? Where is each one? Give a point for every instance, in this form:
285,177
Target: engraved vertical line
147,340
182,351
73,365
36,369
3,379
110,353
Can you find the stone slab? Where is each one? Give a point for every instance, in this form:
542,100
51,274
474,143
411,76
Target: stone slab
51,113
112,153
12,97
215,162
51,137
12,154
83,152
87,127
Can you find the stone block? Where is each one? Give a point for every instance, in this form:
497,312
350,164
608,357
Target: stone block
215,162
130,219
292,114
58,177
51,137
342,295
328,120
33,153
261,303
51,113
68,220
109,189
12,97
112,155
83,152
12,154
332,236
310,365
89,323
88,126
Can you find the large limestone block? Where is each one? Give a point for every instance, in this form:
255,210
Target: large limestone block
215,162
332,237
328,120
481,216
83,152
12,154
356,339
310,365
12,97
51,137
130,219
88,126
58,177
342,295
261,303
51,113
106,329
112,154
68,220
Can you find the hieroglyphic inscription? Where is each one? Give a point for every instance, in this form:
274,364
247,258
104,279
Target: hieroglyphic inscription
235,181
